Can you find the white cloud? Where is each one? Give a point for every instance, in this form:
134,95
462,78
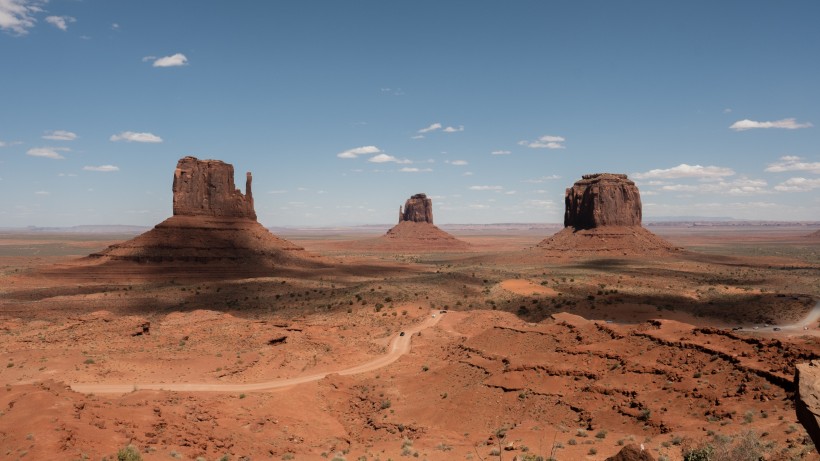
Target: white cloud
798,185
42,192
59,135
510,192
175,60
2,144
686,171
384,158
60,22
115,26
496,188
102,168
415,170
148,58
500,152
418,136
451,129
786,123
432,127
355,152
130,136
459,162
48,152
467,173
545,142
793,163
17,16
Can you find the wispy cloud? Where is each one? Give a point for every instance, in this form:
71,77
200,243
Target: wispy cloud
793,163
432,127
42,192
48,152
457,162
17,16
415,170
786,124
59,135
131,136
686,171
102,168
175,60
452,129
542,179
500,152
798,185
494,188
356,151
60,22
740,186
384,158
545,142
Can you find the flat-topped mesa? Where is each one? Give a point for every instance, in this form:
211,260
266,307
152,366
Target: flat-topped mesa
417,208
206,188
602,199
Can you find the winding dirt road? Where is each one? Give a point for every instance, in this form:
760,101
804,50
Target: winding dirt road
398,346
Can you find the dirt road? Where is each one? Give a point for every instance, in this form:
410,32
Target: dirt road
398,346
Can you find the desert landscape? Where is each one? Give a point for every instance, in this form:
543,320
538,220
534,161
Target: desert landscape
208,337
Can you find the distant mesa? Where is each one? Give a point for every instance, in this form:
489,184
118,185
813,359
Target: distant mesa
603,216
814,235
212,222
415,232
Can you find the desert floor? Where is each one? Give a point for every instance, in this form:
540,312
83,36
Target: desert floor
564,356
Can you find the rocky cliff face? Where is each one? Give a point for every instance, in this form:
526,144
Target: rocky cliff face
807,398
417,208
602,199
206,188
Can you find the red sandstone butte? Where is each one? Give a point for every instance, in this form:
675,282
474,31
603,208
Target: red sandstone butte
603,217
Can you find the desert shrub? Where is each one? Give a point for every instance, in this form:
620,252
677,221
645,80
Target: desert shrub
129,453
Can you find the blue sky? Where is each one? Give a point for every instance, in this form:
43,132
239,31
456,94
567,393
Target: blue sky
343,109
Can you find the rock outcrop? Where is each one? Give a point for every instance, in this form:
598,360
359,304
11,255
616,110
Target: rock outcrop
603,217
807,398
417,208
213,224
602,199
206,188
631,452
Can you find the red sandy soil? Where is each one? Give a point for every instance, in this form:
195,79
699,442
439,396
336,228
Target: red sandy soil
525,347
